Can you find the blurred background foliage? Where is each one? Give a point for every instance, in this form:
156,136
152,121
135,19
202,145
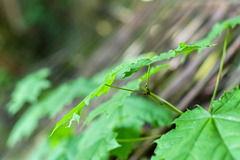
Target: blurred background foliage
64,45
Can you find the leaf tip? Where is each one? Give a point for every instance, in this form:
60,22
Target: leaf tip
183,44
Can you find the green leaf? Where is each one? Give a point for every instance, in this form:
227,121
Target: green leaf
183,47
26,124
100,137
200,135
94,143
124,122
135,112
97,140
147,110
63,145
217,30
126,69
118,99
50,105
132,115
75,117
102,89
28,90
132,129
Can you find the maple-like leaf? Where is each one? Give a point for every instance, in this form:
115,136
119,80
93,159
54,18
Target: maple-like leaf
203,135
28,89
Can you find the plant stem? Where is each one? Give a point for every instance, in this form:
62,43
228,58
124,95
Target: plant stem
139,139
148,76
125,89
220,69
169,105
163,102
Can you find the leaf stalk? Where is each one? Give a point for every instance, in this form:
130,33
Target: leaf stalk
124,89
165,103
138,139
148,76
220,69
162,101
